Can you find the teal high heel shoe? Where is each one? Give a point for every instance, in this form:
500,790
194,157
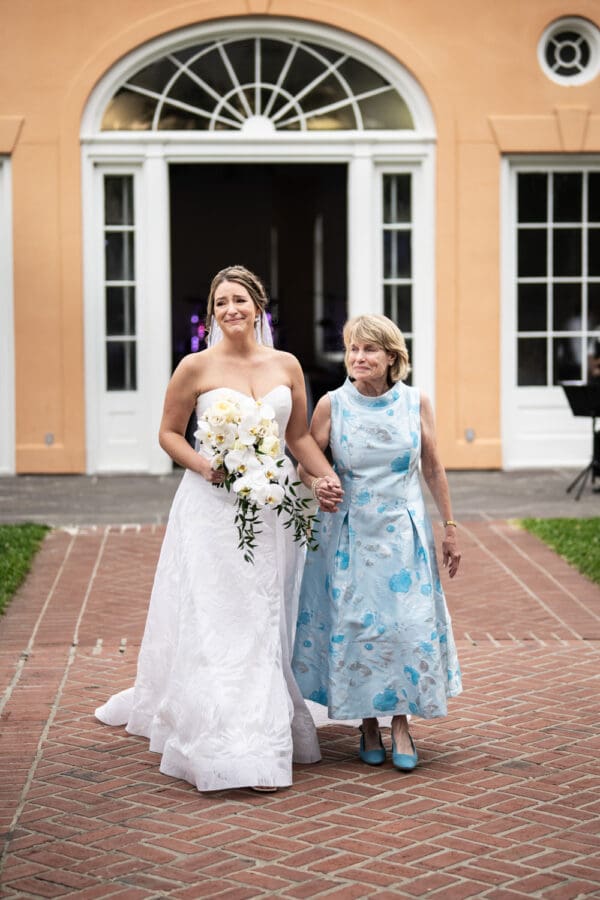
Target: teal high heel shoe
371,757
405,762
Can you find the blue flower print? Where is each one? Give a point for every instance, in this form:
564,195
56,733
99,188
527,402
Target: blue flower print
413,708
304,618
401,582
412,673
307,643
363,498
422,553
400,463
415,439
426,647
336,593
426,590
343,559
388,699
390,412
368,619
337,638
368,646
390,528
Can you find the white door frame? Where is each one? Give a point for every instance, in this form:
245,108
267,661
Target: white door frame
149,154
7,328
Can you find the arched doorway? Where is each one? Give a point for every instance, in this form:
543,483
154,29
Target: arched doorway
299,150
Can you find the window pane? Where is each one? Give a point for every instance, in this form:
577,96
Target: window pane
593,307
594,251
241,57
397,305
155,76
129,111
531,252
567,251
567,196
119,256
566,313
533,192
396,198
118,200
396,254
594,197
567,354
385,110
409,347
120,311
532,365
593,360
121,366
532,307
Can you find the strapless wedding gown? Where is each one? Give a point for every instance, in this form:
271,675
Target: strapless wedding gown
214,690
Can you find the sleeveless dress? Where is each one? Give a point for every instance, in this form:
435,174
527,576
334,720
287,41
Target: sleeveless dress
214,690
374,636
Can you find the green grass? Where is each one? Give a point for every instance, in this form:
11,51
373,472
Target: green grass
18,546
576,540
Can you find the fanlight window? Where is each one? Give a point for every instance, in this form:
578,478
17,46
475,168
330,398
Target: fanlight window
256,85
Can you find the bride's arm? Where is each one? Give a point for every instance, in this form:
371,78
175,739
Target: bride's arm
180,400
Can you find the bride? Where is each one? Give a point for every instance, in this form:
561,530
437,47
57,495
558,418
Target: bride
214,690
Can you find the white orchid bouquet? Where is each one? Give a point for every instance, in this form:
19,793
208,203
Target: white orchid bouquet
241,436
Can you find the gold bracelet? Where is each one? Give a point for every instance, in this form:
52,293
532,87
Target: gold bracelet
447,522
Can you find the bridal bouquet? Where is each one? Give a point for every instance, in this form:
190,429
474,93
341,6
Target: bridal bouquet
241,436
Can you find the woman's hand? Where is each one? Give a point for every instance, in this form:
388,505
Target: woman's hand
204,468
450,553
329,493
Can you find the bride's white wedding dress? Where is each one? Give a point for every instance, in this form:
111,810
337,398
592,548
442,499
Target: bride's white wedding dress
214,690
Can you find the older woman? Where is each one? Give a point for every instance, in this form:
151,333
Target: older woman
374,635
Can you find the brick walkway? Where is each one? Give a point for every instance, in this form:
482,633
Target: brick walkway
506,801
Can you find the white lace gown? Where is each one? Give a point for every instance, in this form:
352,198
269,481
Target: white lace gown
214,690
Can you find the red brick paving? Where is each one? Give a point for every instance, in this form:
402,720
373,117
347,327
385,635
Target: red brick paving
504,804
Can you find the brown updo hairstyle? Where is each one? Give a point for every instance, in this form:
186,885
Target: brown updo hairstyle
242,276
384,333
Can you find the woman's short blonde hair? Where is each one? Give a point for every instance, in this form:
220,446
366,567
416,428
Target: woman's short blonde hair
381,331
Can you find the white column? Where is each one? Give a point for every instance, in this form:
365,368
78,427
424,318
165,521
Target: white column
363,296
7,329
155,306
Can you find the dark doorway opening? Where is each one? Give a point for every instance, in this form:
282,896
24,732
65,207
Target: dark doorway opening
286,222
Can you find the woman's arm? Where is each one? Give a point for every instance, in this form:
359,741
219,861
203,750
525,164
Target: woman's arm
180,400
437,482
307,446
327,492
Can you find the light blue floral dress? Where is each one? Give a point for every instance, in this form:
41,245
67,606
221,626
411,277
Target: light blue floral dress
374,635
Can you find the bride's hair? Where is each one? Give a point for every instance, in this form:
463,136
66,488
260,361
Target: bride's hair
242,276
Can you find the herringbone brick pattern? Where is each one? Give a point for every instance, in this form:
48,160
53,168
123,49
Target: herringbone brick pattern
505,803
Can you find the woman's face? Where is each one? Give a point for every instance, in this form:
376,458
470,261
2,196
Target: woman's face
368,362
234,308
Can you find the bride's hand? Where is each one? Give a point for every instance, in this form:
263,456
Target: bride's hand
329,494
213,476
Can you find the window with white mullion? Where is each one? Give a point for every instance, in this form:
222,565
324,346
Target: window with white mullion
397,251
558,274
120,283
227,84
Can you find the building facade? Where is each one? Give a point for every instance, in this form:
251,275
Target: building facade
436,162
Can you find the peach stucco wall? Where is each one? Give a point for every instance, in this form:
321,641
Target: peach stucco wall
476,61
